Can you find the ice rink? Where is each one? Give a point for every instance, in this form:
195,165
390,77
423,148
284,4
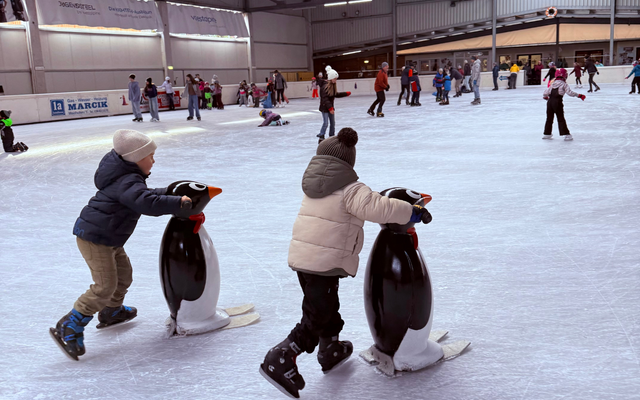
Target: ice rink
533,250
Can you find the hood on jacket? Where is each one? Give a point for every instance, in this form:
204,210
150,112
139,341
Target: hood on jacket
113,167
325,175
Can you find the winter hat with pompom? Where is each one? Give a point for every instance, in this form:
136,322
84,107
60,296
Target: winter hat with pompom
342,146
132,145
331,73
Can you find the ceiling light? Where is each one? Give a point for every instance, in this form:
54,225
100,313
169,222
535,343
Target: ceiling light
366,61
342,3
360,1
351,52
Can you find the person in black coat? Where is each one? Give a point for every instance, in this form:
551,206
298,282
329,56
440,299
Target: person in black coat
328,93
102,229
496,73
455,74
592,70
405,81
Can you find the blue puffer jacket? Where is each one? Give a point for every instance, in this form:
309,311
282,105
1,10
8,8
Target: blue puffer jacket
438,81
112,214
635,71
447,82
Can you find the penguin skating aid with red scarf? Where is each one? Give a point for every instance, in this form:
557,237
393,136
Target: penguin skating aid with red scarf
189,269
399,299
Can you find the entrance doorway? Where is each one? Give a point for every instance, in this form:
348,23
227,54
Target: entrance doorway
532,60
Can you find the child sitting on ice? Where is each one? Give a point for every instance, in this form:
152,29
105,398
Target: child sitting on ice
7,134
271,119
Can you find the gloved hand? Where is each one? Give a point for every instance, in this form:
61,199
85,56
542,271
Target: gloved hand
421,214
388,87
545,98
544,80
582,97
185,202
626,77
598,72
348,93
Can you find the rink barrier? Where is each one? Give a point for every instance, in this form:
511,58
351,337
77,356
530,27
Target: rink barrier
615,74
48,107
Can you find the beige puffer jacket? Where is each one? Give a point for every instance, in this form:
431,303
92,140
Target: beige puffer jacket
328,235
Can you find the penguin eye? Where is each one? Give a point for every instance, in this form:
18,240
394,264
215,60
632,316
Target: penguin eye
197,186
413,194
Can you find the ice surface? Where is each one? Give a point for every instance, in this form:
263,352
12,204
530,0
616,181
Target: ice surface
533,251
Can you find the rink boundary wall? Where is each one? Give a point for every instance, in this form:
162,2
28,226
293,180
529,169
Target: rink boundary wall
38,107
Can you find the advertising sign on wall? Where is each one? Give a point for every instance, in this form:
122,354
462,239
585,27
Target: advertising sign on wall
12,10
163,101
77,106
125,14
206,21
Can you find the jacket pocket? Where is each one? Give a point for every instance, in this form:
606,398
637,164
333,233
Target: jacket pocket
357,246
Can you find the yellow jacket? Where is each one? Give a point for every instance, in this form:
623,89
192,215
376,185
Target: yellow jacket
514,68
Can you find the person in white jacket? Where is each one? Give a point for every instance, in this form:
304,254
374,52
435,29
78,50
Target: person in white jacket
327,238
169,90
476,68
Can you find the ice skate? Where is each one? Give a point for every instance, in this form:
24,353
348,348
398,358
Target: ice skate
547,137
286,123
332,353
115,315
68,333
25,146
189,118
370,112
280,369
597,88
320,138
379,114
199,119
568,138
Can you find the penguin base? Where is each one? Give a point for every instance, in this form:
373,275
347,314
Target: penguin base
218,320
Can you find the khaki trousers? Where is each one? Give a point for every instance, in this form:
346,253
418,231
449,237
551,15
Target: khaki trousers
112,275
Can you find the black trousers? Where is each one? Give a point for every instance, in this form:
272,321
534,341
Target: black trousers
592,83
380,99
445,95
495,82
578,81
634,83
171,105
404,87
320,316
7,140
555,107
415,98
280,94
438,93
513,78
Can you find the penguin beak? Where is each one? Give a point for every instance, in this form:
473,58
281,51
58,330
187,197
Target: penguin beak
426,198
214,191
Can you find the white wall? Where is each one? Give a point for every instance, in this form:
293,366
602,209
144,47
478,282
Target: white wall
15,75
94,61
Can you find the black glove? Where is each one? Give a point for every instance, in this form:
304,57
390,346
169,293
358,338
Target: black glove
388,87
421,214
598,72
187,205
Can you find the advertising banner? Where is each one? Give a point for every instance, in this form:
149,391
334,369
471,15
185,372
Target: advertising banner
79,106
125,14
206,21
12,10
163,101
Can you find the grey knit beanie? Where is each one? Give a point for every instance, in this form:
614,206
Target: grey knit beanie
385,64
342,146
132,145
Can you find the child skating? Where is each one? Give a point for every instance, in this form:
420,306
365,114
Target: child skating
102,229
314,88
271,119
327,238
328,94
555,107
578,71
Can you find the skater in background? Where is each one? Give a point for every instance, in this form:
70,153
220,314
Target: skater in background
271,119
335,202
496,74
257,94
217,91
314,88
446,88
6,133
416,88
151,92
457,75
271,90
555,106
169,90
208,95
201,99
328,94
103,228
438,82
281,85
405,82
134,98
537,73
551,74
467,76
475,79
592,70
191,91
380,86
636,79
214,79
578,71
242,93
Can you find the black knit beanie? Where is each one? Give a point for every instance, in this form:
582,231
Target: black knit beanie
342,146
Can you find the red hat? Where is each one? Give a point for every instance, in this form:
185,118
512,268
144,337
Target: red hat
562,73
314,78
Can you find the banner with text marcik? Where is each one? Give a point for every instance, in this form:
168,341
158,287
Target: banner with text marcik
124,14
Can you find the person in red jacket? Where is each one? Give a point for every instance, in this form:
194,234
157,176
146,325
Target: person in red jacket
381,85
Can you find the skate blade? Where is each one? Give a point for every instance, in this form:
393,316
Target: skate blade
102,326
58,341
276,384
337,365
238,310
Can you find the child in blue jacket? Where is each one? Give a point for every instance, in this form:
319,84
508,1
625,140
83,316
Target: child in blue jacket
636,79
447,88
438,82
102,229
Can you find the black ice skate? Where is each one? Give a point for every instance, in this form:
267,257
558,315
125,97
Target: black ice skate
68,333
370,112
332,353
280,369
24,146
115,315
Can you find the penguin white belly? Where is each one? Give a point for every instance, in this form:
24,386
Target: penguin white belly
416,351
202,315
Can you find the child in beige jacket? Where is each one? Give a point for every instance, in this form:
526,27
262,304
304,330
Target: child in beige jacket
327,238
